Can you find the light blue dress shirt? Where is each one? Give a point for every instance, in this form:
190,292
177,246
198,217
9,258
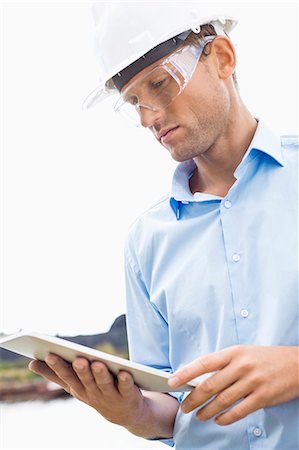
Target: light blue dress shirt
204,273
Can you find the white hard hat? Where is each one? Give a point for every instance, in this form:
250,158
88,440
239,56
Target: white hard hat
126,32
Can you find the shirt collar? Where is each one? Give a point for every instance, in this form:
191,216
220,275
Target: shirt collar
264,140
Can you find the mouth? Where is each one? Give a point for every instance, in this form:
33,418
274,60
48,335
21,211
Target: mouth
165,135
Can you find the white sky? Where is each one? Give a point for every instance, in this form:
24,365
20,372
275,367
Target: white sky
72,182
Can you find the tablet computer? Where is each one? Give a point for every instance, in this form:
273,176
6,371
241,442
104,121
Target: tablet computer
38,346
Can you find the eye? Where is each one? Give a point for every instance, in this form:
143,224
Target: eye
158,84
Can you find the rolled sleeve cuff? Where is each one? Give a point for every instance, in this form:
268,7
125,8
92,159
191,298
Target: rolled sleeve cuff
167,441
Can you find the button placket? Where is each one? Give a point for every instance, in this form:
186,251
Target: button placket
236,259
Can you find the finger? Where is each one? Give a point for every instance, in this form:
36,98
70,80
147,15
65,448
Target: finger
239,411
65,372
82,368
126,384
224,400
210,387
103,378
42,369
202,365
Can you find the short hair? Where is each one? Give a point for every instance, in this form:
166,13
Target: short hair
197,38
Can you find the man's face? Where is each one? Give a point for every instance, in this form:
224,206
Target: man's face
194,120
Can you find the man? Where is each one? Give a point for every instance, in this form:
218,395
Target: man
212,268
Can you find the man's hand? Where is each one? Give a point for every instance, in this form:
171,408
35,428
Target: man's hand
256,377
120,401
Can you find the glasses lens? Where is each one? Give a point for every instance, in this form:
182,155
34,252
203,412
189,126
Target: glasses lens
155,91
129,112
158,88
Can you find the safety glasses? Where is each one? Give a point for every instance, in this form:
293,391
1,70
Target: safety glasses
157,89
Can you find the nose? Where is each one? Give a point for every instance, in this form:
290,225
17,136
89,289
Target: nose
148,117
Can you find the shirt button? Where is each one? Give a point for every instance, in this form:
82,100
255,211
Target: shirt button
227,204
236,257
244,313
257,432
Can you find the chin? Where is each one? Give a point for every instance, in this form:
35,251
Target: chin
180,156
179,159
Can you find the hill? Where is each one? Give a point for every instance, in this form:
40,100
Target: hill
114,341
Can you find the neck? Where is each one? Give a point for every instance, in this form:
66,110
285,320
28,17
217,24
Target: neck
216,166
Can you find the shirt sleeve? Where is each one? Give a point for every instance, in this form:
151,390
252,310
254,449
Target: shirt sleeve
146,328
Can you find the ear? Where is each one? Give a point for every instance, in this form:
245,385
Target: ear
225,56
